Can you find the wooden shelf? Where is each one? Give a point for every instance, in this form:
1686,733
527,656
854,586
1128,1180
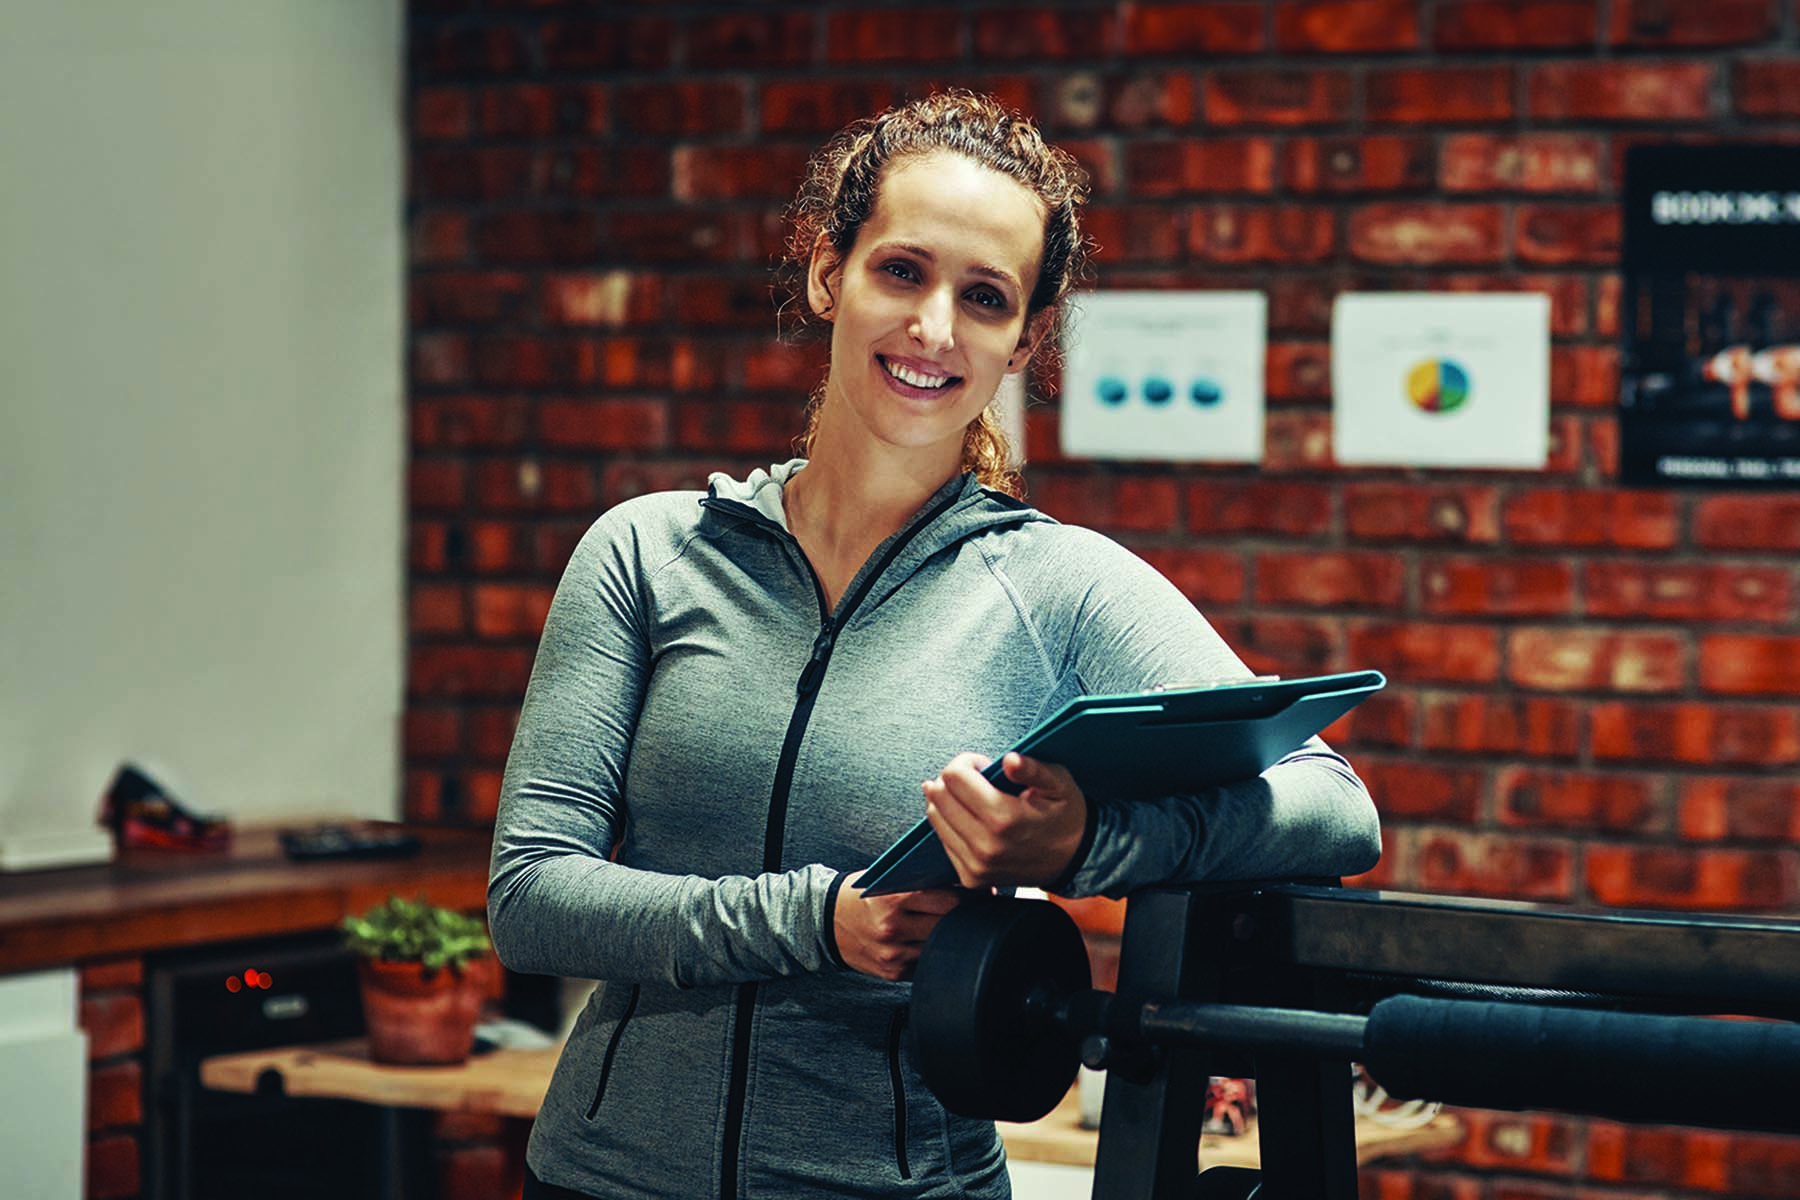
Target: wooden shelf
148,900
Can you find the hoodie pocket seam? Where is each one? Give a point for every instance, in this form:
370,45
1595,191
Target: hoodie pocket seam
612,1047
896,1028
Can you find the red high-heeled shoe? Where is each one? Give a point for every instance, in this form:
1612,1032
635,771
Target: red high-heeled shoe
141,812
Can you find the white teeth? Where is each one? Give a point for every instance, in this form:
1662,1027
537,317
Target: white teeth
908,376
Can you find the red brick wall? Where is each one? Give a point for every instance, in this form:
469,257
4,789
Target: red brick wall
1594,688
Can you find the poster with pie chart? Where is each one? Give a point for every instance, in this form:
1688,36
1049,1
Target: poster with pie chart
1430,379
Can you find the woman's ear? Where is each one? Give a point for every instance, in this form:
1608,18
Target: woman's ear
1037,328
824,274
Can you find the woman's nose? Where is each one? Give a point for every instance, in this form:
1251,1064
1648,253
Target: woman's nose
934,320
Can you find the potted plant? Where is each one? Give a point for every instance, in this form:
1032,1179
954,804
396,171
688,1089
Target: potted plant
423,971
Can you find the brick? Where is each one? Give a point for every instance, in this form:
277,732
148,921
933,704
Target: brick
1512,725
1563,453
623,480
750,41
432,732
1205,577
608,299
605,45
1258,507
717,302
1039,34
1484,25
1136,503
1385,720
1677,591
1284,97
1136,233
1240,234
1727,809
468,672
1618,91
1536,798
1346,26
1144,100
1412,791
427,545
1231,27
785,368
1603,448
530,485
1746,665
1762,1166
511,611
441,113
1530,162
522,360
111,974
1707,735
1768,88
491,732
114,1024
1321,580
546,236
495,548
435,485
704,173
1440,95
1291,645
655,364
1408,513
116,1095
738,427
1636,520
1417,653
422,801
439,237
1297,372
459,297
1522,1142
609,423
113,1171
1300,306
1496,587
1711,880
910,35
468,50
1581,659
1748,523
1389,870
540,110
1296,441
1496,865
440,359
1565,234
435,609
1584,377
1200,166
1641,24
477,1172
1422,234
683,109
674,237
1339,165
814,107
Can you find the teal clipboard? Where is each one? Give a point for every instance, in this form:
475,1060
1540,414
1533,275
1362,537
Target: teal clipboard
1147,744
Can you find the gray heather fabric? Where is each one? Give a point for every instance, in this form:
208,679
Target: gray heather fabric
630,847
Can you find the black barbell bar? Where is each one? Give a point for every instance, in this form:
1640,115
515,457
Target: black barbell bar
1002,1012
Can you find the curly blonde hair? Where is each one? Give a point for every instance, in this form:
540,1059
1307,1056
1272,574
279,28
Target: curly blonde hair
843,181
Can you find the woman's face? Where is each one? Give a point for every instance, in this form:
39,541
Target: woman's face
928,306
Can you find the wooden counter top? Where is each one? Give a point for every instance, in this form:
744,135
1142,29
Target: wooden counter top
148,900
512,1083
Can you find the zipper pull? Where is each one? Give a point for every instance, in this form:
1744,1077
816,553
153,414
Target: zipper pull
815,666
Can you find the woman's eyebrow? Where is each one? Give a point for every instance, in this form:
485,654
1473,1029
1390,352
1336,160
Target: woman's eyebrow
996,273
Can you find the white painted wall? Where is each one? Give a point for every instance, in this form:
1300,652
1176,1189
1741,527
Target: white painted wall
43,1086
201,414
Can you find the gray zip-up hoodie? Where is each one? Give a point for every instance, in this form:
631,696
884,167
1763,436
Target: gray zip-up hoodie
704,752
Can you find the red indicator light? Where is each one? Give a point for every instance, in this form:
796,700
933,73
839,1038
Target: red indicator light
265,981
234,984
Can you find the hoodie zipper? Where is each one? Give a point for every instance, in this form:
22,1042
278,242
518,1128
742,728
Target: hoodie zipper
896,1029
775,831
612,1047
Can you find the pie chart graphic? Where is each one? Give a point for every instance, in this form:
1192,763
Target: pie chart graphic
1437,385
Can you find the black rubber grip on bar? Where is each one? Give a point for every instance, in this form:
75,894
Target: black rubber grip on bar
1725,1074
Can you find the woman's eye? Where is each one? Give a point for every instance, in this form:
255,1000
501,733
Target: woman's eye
900,270
988,299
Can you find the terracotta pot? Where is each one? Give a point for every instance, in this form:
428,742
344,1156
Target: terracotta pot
419,1018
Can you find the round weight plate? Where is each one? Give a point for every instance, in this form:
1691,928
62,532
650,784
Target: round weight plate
978,1047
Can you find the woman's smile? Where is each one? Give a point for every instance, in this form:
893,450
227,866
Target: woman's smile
917,380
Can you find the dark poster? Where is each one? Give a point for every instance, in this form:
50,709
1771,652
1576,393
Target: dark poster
1710,373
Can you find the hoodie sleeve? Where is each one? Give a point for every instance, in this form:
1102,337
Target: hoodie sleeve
557,902
1308,815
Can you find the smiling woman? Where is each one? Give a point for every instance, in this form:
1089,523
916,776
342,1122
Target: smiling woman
738,694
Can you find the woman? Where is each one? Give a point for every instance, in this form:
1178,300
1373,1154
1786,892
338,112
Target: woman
738,693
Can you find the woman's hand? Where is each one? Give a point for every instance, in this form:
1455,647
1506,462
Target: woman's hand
997,840
883,935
